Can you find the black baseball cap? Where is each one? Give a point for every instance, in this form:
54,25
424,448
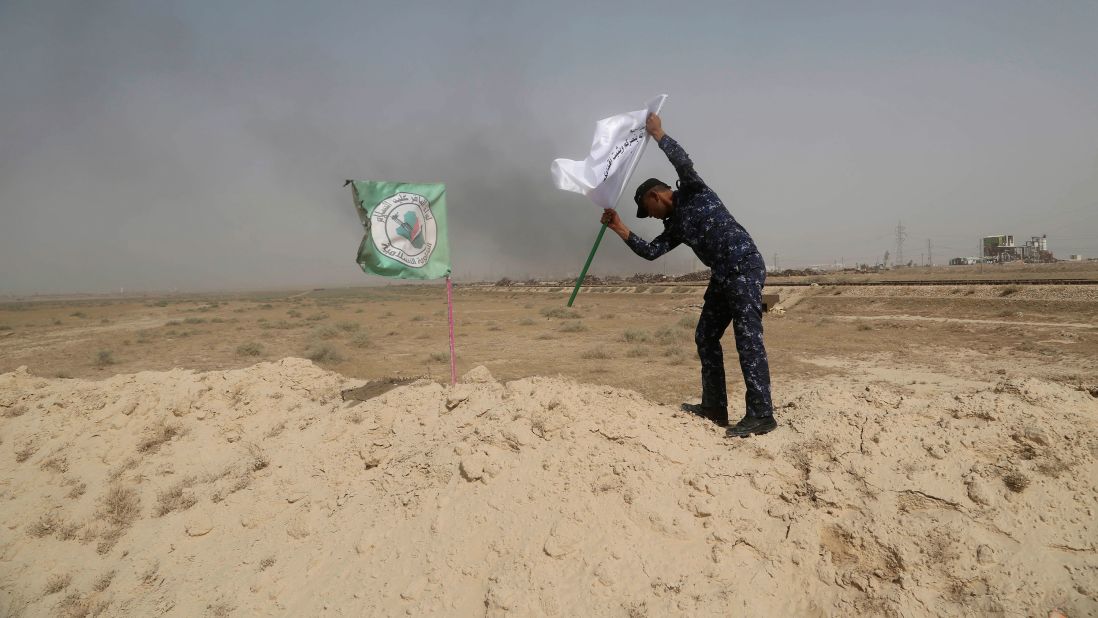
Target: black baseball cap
644,188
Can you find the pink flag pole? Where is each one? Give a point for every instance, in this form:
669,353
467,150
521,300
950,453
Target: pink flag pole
450,311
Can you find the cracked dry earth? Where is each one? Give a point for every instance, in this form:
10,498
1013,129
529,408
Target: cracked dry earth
259,492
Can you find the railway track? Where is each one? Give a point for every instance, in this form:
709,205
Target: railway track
776,283
779,283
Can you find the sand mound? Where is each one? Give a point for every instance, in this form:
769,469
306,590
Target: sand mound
260,491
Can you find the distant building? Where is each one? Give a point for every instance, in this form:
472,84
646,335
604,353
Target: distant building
964,261
1001,248
996,246
1076,258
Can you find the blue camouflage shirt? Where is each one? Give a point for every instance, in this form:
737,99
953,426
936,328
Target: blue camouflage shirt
699,220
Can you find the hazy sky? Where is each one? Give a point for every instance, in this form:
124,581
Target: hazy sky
194,145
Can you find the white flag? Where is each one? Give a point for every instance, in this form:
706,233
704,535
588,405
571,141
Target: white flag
618,145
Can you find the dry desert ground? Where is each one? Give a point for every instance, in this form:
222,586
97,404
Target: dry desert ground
937,455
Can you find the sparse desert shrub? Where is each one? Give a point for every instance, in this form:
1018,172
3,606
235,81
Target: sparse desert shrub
117,472
241,483
418,318
326,332
316,317
440,357
360,340
635,336
194,321
636,352
77,491
161,303
67,532
573,327
1010,290
56,583
547,336
221,608
675,355
55,463
1016,482
560,312
526,322
175,498
45,526
78,314
864,327
665,336
103,581
104,358
687,323
5,327
251,348
596,354
322,352
157,435
120,506
348,326
276,430
257,459
293,313
24,452
266,306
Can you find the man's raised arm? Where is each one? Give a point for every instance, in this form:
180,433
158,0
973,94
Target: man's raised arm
684,167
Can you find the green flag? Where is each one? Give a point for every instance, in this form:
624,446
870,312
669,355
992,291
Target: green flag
405,229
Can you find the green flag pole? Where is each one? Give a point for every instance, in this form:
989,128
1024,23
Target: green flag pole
628,175
591,256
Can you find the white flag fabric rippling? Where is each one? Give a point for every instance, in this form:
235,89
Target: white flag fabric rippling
617,147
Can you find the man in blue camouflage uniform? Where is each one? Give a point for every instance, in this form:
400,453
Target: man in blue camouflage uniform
695,216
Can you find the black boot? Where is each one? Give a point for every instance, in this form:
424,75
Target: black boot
711,413
749,425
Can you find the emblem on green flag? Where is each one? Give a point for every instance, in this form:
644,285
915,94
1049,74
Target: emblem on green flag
405,229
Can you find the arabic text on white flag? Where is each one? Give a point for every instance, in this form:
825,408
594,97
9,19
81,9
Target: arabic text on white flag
618,145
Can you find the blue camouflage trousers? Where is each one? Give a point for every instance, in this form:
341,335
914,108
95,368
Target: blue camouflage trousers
735,298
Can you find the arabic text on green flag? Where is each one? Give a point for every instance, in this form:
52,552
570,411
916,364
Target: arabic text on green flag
405,229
